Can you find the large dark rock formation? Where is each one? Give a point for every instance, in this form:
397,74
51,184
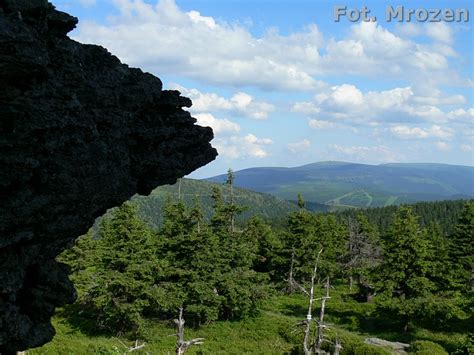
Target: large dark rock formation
79,133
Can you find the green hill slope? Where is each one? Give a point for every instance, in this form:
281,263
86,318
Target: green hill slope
348,185
264,205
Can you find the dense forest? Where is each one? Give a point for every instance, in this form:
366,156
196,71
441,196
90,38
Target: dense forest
322,283
443,213
275,210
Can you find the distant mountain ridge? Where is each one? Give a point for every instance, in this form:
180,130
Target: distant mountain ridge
347,185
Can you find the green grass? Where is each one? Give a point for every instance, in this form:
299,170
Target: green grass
244,337
274,331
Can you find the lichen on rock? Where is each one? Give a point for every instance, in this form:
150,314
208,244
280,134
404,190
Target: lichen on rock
80,132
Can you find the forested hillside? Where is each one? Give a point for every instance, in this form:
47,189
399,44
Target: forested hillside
189,191
444,213
321,283
275,210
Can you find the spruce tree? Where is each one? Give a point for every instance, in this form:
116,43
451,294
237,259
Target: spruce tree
82,260
197,215
403,277
193,261
209,270
264,244
406,257
122,287
441,271
363,250
242,287
301,230
307,234
218,219
301,203
330,235
462,247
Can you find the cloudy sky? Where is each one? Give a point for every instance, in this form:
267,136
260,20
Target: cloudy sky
282,84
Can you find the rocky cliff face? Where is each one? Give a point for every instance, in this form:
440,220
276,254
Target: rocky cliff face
79,133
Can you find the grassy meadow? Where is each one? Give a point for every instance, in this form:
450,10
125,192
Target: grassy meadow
273,331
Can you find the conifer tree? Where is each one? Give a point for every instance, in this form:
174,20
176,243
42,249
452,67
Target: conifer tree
308,232
122,287
407,256
301,203
231,210
196,214
332,237
403,277
300,231
462,246
193,262
209,270
264,244
218,219
82,260
363,250
441,271
242,287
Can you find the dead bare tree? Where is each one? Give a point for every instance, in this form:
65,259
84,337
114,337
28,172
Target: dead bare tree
230,182
179,189
337,346
307,331
315,346
321,325
310,306
291,280
131,349
136,347
182,345
363,251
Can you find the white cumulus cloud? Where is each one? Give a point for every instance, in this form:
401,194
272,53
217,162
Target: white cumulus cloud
300,146
462,114
162,38
240,103
443,146
366,154
320,124
406,132
348,104
236,147
440,31
217,125
307,108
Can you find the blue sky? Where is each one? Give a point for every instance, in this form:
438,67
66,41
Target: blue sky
283,84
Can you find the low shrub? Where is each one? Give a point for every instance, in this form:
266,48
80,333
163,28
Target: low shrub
424,347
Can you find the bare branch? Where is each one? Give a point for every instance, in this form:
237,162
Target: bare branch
321,326
136,347
182,345
306,346
337,346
